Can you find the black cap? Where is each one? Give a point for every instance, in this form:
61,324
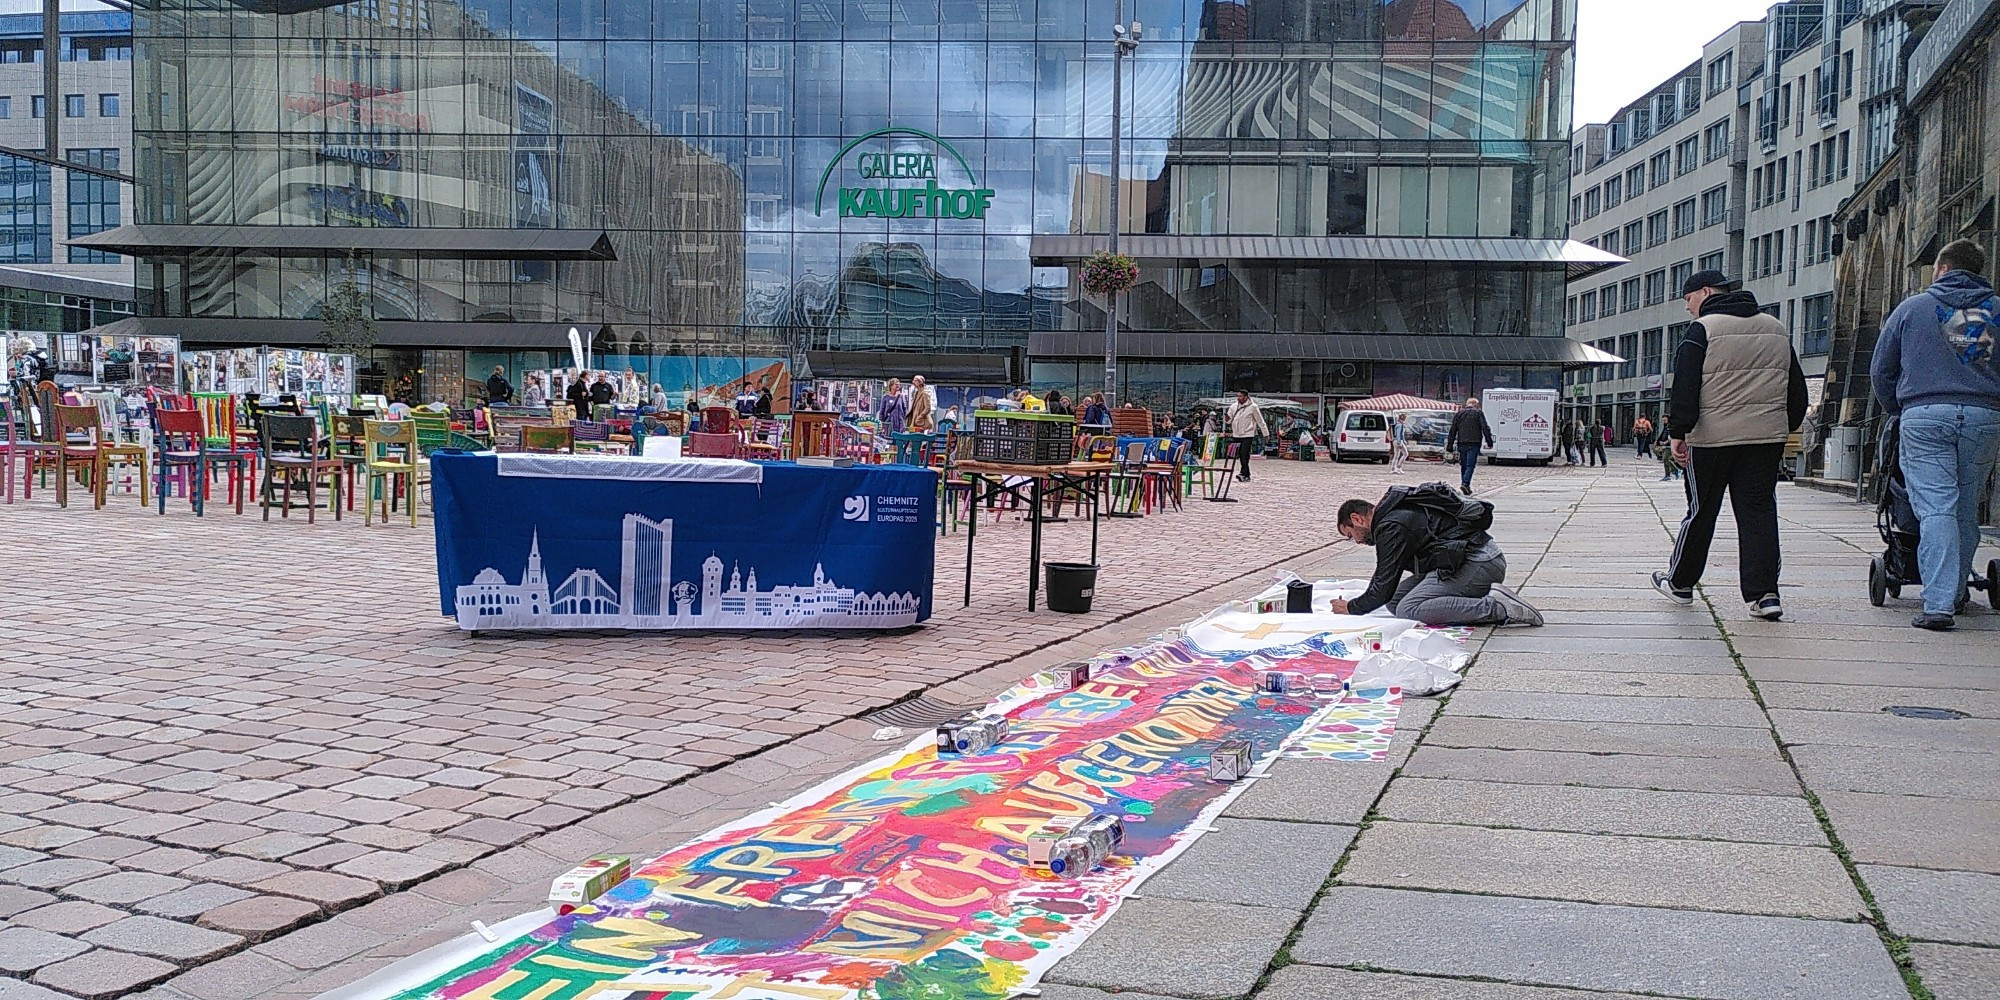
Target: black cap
1708,279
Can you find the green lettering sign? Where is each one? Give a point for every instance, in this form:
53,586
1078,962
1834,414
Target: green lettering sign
889,200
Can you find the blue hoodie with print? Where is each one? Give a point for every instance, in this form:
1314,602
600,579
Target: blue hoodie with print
1937,348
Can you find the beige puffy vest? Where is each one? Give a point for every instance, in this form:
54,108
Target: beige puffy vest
1746,381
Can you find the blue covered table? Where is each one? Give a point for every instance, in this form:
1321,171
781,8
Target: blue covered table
576,541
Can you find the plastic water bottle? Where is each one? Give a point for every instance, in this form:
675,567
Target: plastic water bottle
1105,832
1071,857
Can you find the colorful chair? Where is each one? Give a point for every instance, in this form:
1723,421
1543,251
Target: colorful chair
80,436
294,449
349,436
19,442
393,459
180,443
548,440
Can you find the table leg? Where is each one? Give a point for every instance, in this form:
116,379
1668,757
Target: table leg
1096,480
1034,538
972,532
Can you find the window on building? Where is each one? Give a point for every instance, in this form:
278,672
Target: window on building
1592,202
1847,74
1757,187
1575,209
93,202
1569,310
1710,261
24,212
1576,160
1780,253
107,106
1715,205
1631,294
1614,192
1663,168
1610,242
1721,73
1635,238
1656,228
6,107
72,105
1635,181
1845,150
1649,348
1687,155
1628,348
1678,275
38,106
1684,218
1816,325
1783,174
1607,300
1586,307
1812,242
1812,165
1716,140
1656,287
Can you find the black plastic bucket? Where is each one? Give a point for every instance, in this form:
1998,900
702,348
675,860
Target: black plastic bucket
1071,586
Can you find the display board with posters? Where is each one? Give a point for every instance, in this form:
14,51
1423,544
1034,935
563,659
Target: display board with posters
312,375
137,362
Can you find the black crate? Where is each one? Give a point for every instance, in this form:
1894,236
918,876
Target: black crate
1039,439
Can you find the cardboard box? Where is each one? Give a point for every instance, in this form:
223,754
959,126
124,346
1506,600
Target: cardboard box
588,881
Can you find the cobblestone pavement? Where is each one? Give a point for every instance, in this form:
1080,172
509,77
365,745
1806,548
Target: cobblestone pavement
1637,800
217,731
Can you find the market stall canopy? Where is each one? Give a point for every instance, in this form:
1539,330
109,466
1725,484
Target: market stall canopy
1578,260
1263,403
1421,348
320,241
309,333
1396,401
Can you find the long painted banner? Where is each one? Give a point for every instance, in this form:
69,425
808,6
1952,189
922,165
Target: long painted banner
906,879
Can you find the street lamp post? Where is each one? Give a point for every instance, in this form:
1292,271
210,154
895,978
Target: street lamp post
1124,42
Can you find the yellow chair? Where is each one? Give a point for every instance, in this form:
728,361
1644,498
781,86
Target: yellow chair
391,455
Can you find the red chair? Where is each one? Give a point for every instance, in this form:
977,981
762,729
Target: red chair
33,454
718,420
702,444
180,443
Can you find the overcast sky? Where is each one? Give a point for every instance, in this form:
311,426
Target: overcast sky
1625,48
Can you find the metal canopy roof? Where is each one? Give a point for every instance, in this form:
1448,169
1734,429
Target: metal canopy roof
1579,259
389,333
318,241
1391,347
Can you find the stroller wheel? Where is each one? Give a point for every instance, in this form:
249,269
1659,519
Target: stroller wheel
1878,582
1993,583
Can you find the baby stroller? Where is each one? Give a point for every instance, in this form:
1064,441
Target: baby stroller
1896,567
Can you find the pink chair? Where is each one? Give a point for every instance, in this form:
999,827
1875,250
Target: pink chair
31,453
704,445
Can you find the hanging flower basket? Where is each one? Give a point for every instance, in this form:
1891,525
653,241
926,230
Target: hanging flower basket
1109,273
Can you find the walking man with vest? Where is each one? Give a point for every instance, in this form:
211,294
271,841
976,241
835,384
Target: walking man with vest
1934,366
1738,394
1441,541
1468,429
1246,424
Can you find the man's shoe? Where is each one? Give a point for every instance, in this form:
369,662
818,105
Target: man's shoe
1519,612
1934,623
1466,489
1767,608
1665,586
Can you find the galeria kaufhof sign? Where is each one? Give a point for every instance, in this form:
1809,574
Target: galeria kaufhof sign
895,179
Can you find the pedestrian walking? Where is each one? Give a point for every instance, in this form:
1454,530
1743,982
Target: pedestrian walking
1399,443
1245,422
1595,437
1468,429
1934,366
1738,394
923,407
1669,469
1642,435
1572,439
894,409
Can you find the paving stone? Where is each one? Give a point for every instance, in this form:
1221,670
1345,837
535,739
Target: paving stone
1880,729
391,868
1312,982
193,901
1767,819
103,973
320,945
1601,737
1745,775
325,888
1943,773
1053,991
25,949
272,846
1627,684
55,873
1145,947
1292,861
16,989
169,939
1917,831
1607,708
125,887
15,857
235,871
380,787
15,899
1716,663
1957,973
1962,907
1680,953
258,916
1779,880
242,976
70,916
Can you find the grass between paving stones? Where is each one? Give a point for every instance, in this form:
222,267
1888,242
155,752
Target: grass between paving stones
1897,945
1283,957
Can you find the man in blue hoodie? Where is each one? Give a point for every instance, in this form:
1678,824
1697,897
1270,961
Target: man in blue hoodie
1934,365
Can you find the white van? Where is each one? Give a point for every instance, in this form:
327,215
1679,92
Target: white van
1360,434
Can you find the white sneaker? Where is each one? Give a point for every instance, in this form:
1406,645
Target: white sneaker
1665,586
1767,608
1519,612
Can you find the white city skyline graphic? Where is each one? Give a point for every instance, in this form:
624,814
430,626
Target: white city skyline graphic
647,598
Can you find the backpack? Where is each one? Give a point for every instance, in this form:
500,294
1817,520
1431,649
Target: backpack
1453,516
1968,332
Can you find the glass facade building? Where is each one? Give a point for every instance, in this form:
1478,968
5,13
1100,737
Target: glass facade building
871,179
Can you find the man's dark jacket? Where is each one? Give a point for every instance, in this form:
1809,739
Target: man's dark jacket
1406,540
1468,428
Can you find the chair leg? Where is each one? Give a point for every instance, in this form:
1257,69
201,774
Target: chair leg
100,474
412,501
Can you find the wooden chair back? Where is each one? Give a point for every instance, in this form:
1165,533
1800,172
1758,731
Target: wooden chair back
84,420
718,420
548,440
384,437
702,444
288,435
1128,421
178,434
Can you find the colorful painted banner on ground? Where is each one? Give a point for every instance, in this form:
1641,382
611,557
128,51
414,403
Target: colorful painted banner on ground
906,879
